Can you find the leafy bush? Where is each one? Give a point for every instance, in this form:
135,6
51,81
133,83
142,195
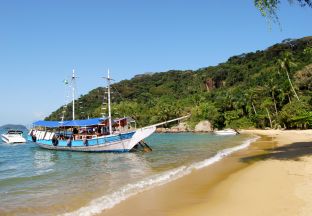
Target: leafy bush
240,123
296,115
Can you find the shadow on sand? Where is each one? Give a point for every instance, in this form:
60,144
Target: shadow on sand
292,151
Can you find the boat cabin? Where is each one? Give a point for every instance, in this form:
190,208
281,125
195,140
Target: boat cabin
14,132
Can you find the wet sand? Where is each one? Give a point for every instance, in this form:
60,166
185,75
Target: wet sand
271,177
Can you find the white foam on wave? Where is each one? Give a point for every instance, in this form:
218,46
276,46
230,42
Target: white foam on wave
100,204
221,154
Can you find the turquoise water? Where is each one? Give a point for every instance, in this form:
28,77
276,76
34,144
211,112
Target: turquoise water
34,181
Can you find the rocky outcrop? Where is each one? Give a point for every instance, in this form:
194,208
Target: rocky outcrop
203,126
181,127
163,130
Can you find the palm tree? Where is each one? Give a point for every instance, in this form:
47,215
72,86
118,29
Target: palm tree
273,88
266,104
284,64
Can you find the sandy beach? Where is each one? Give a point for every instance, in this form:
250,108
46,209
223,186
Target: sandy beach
271,177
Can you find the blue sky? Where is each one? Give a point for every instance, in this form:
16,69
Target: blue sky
42,41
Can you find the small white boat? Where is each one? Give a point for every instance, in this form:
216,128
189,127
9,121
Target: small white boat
13,136
226,132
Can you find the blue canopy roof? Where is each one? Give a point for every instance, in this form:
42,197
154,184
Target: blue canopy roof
49,123
72,123
84,122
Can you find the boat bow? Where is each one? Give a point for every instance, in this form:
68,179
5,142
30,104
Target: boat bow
141,134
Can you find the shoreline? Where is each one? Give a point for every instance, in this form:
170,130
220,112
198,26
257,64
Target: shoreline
276,183
212,189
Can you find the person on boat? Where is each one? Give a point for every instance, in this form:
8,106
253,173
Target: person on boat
61,136
54,140
69,141
75,133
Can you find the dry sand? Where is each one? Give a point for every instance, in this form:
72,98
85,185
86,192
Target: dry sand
272,177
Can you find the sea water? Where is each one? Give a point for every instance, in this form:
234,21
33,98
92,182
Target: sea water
35,181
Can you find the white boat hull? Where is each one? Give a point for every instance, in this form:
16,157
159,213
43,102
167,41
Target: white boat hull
119,146
13,138
225,132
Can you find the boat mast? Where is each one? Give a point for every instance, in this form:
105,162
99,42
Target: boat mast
109,102
73,92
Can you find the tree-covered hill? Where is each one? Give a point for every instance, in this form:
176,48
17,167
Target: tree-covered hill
13,127
269,88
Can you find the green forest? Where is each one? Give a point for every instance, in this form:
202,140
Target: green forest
271,88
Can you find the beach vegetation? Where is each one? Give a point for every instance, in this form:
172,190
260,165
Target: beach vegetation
296,115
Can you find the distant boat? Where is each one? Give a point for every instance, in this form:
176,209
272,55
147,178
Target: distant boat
226,132
13,136
93,135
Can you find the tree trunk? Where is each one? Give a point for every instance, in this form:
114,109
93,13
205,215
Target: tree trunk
254,109
289,99
291,85
274,102
269,117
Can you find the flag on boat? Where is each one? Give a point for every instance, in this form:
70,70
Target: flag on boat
65,82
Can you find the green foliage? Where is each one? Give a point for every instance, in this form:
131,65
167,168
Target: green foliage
305,119
303,78
268,8
242,92
205,111
308,51
241,123
296,115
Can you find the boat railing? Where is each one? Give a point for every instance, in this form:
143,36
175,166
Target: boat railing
65,135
